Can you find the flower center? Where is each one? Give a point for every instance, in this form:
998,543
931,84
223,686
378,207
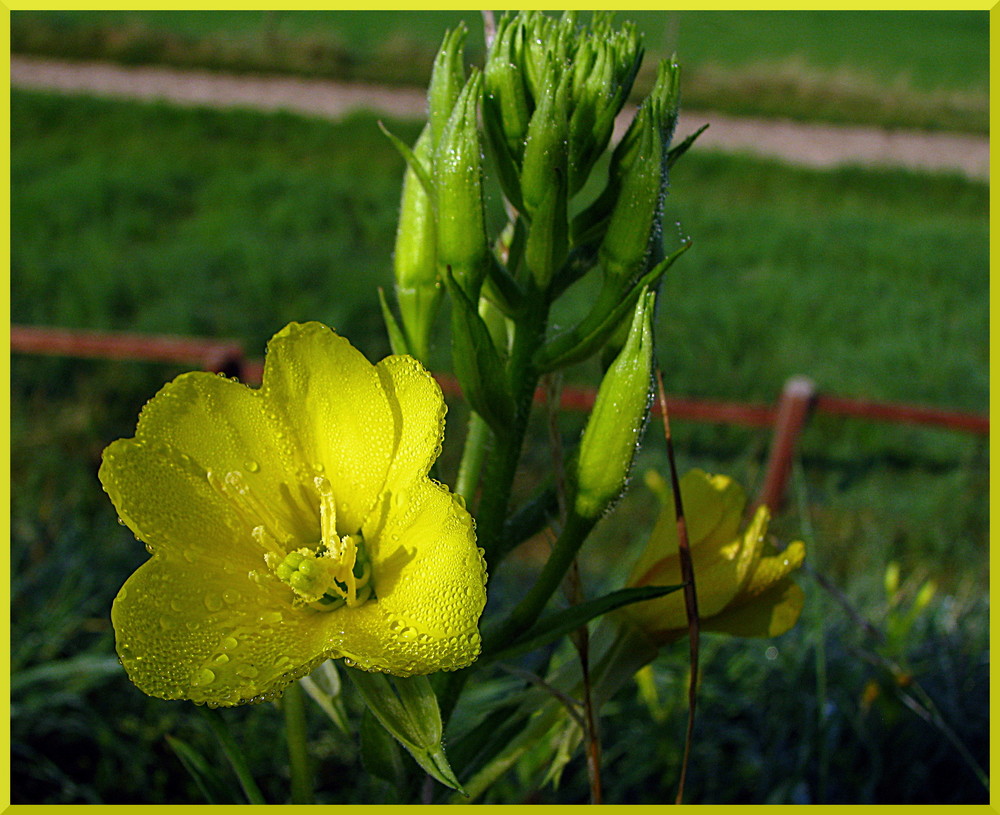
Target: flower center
324,574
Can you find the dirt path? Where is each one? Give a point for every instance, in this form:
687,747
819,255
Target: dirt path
806,144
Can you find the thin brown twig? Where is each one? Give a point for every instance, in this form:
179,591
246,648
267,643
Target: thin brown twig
687,574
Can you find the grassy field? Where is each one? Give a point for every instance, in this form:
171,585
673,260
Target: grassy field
898,69
229,224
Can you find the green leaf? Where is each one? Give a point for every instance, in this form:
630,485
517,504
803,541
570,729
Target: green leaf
412,161
408,709
323,686
397,339
593,331
679,150
204,774
557,624
380,753
236,758
478,366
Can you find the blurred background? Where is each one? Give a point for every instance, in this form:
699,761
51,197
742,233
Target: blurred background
868,277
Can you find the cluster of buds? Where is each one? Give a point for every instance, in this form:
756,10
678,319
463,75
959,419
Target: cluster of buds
549,94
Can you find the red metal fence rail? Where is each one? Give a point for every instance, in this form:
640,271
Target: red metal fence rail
789,417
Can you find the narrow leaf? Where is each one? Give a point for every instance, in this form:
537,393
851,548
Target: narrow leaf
593,331
412,161
679,150
557,624
234,755
478,366
380,753
397,339
202,773
408,709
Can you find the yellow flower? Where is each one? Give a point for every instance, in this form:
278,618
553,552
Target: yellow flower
741,580
291,524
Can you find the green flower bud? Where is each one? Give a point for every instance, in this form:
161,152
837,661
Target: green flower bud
616,422
506,95
545,153
642,169
447,80
458,178
418,287
544,179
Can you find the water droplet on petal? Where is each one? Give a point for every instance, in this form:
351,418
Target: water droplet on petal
205,677
213,602
222,659
229,643
252,466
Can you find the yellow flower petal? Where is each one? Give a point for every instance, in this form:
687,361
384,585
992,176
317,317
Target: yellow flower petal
429,597
769,614
164,497
189,631
417,402
713,505
339,418
733,575
329,461
769,570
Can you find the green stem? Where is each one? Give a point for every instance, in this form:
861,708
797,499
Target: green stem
293,705
473,455
529,333
526,612
491,514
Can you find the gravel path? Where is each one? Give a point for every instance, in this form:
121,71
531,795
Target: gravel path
806,144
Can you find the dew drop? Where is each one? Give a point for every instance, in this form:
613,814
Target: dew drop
229,643
205,676
408,634
231,596
318,467
121,522
222,659
213,602
252,466
246,671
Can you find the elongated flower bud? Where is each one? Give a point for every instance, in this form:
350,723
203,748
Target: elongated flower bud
447,80
615,425
418,288
458,177
544,179
636,218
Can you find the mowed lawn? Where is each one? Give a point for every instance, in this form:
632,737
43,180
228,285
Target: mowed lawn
230,224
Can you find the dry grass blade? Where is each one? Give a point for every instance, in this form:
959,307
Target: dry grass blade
690,594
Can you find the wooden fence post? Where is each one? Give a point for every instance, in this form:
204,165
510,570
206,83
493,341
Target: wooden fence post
796,400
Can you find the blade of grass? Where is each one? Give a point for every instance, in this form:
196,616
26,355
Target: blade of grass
234,755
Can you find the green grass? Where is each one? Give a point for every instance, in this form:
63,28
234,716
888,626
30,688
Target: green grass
145,217
897,69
